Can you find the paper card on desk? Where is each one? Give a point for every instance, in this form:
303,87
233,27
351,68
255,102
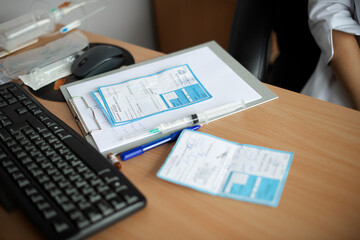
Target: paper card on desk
227,169
141,97
221,75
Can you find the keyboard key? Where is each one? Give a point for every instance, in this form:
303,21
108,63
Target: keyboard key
61,226
4,135
92,213
104,207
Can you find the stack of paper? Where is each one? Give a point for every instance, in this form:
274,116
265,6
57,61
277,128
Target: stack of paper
142,97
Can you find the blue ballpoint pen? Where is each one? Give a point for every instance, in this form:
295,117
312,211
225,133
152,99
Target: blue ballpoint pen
146,147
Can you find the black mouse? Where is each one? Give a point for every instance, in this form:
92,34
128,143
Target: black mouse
97,60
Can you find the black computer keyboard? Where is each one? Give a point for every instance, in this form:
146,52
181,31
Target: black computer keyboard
65,186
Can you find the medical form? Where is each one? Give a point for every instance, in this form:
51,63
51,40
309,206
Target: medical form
227,169
145,96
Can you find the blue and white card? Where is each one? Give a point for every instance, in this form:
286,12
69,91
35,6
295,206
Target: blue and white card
142,97
219,167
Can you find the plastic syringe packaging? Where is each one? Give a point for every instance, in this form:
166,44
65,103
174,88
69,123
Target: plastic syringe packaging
24,63
40,77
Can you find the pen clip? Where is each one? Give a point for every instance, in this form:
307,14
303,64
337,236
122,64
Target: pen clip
76,110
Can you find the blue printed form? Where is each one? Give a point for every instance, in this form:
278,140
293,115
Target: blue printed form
227,169
145,96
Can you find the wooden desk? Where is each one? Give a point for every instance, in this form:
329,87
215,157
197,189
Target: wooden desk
320,200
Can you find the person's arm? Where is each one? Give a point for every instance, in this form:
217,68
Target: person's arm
346,64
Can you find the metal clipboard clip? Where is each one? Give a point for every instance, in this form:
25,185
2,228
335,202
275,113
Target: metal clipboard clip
84,115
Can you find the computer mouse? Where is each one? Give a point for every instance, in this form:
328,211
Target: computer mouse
96,60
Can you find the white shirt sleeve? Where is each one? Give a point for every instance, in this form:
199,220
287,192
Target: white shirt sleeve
326,15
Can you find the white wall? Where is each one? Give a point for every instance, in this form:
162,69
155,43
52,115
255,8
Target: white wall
126,20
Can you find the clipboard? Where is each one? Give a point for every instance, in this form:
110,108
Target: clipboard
218,71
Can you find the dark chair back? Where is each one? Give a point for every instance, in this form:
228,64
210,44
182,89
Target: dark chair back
251,35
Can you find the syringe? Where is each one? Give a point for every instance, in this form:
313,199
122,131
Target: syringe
190,120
